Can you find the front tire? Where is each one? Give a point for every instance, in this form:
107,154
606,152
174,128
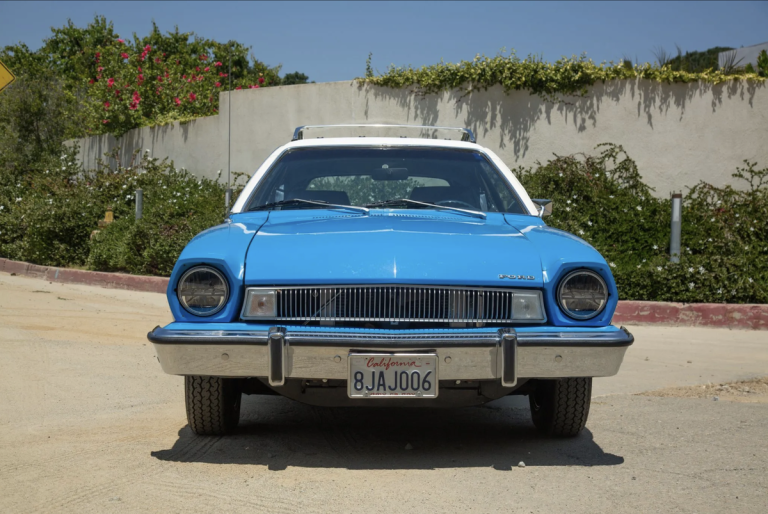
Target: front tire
213,404
560,407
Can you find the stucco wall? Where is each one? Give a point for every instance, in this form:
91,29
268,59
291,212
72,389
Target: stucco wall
679,134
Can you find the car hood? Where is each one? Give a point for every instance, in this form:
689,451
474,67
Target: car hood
322,247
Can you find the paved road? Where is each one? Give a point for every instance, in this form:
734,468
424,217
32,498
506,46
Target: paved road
89,423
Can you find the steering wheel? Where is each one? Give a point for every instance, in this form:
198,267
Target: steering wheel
459,202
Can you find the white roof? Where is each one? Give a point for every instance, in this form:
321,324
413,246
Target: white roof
382,141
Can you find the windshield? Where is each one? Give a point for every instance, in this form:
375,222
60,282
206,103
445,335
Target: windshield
356,176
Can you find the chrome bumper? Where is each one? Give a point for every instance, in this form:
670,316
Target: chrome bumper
281,353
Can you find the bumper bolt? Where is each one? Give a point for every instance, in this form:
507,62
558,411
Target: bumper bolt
558,358
224,356
458,382
447,360
337,359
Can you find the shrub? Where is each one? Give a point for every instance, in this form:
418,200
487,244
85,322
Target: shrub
48,217
125,83
724,231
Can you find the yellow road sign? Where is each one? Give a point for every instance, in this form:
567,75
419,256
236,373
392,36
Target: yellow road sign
6,77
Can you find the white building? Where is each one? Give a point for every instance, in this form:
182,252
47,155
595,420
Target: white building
745,55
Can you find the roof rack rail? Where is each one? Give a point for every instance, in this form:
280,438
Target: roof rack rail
466,134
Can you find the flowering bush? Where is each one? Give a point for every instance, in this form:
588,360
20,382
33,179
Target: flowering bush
724,231
144,83
132,82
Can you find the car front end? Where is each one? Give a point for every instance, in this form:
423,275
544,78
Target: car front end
332,300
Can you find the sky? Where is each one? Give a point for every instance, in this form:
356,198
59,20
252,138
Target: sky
330,41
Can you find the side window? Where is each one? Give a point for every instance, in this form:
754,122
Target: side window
499,191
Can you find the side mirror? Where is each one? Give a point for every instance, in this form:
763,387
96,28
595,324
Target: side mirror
545,207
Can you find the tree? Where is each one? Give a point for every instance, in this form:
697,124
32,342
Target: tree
294,78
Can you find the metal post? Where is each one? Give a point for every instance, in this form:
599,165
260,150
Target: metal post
229,122
227,200
139,203
674,238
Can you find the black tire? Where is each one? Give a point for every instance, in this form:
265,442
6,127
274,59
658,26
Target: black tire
560,407
213,404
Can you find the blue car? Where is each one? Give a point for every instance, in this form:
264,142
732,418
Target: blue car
389,271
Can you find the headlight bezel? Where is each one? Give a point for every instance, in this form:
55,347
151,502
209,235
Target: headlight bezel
570,275
191,310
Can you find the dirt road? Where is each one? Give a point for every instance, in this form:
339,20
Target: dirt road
89,423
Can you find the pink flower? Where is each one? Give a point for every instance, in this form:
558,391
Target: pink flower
133,106
157,59
197,68
136,97
222,74
218,84
254,86
98,56
217,63
99,68
178,102
159,78
91,81
117,92
147,48
121,41
139,67
125,55
261,80
203,57
105,121
192,97
110,82
207,68
106,105
238,87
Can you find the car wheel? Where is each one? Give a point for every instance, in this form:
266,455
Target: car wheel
213,404
560,407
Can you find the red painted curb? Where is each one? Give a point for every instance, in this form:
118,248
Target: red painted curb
749,316
91,278
730,315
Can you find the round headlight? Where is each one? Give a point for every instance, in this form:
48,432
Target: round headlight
582,294
203,291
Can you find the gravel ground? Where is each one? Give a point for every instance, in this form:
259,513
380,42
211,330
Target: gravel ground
89,423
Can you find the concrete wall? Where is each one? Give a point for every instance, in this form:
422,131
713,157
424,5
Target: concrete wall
679,134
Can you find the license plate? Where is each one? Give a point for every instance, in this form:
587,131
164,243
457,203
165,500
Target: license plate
388,375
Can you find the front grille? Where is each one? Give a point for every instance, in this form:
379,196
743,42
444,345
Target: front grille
396,304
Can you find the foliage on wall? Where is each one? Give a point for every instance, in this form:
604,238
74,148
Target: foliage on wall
566,76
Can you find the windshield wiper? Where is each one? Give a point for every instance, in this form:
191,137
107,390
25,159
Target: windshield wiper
386,203
322,203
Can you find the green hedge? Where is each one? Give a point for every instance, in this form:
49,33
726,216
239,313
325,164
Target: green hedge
602,199
47,217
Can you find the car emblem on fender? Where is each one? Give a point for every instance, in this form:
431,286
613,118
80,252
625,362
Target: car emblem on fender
518,277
